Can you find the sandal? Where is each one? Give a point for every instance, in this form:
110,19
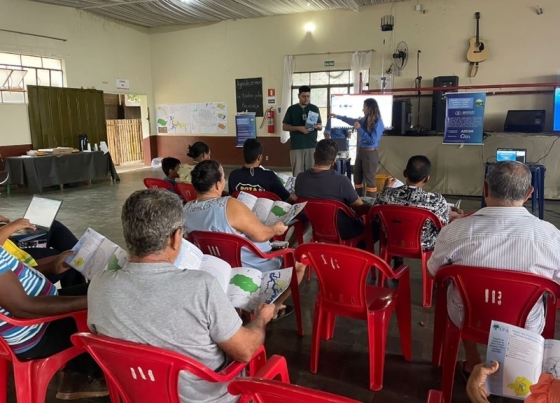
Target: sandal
283,313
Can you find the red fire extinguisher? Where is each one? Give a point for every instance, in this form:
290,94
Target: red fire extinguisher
270,120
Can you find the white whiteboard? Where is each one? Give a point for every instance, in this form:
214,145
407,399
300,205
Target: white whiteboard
352,105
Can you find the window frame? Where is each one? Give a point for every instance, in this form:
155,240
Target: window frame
38,81
321,86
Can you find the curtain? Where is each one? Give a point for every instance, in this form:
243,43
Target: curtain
286,93
361,62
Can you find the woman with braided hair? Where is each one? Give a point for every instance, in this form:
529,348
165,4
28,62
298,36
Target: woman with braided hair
370,129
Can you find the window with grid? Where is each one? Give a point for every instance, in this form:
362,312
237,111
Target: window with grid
323,84
18,71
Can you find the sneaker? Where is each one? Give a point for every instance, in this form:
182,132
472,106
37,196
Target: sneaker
78,386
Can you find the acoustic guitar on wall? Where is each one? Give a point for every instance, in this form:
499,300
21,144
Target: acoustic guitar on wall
478,52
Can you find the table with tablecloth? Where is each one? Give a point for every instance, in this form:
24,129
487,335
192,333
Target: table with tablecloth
51,170
459,170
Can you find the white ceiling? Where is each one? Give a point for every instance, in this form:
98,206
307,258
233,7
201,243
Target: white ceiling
157,13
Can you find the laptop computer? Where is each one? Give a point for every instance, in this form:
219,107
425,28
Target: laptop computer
511,154
41,213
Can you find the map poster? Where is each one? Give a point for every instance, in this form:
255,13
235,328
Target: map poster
249,287
195,118
245,128
464,118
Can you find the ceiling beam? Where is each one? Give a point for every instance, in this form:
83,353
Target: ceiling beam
120,3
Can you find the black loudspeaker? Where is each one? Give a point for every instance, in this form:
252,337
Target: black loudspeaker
402,116
438,101
525,121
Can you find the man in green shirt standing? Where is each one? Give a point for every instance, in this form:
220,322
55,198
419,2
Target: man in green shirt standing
302,140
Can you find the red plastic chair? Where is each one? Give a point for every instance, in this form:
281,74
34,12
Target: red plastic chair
141,373
342,272
298,228
402,236
435,396
487,294
158,184
186,191
32,377
228,247
323,216
265,391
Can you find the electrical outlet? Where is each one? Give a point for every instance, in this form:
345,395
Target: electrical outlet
266,158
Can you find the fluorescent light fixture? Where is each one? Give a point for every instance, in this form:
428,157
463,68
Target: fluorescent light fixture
309,27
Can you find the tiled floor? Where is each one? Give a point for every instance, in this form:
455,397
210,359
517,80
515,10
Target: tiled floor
343,365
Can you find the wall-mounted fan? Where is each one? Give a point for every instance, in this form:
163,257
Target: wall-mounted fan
400,56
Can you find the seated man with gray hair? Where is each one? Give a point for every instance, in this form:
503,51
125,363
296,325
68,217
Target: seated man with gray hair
150,301
503,235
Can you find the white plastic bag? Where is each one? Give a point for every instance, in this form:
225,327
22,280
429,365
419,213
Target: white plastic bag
284,137
156,162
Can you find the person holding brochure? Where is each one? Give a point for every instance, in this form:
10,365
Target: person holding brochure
370,129
245,287
58,239
253,177
302,120
212,212
27,293
151,301
503,235
522,357
546,390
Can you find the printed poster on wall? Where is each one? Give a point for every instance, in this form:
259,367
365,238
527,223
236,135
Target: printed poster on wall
464,118
245,128
207,118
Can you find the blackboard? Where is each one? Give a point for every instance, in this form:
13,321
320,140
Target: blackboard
248,92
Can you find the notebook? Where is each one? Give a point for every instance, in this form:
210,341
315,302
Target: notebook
41,213
511,154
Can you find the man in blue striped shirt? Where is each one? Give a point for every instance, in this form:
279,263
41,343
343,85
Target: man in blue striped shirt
29,293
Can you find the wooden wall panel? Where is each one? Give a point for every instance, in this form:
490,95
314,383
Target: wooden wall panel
58,115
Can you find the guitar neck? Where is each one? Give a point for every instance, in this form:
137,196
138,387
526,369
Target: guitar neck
477,29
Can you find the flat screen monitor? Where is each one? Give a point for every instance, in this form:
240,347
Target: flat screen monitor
352,105
556,111
342,144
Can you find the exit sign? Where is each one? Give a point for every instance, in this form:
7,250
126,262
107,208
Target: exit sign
329,63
